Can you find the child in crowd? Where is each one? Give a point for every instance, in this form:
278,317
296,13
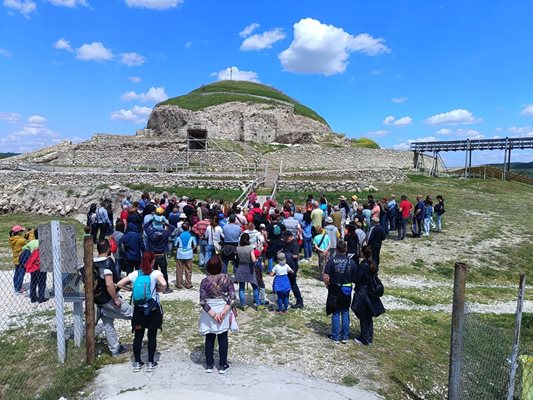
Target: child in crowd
281,285
159,221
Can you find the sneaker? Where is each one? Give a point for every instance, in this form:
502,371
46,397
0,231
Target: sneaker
137,366
151,366
222,370
121,350
333,340
209,369
344,341
168,290
359,342
297,305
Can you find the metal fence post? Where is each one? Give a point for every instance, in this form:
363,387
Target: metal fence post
88,248
456,343
58,290
516,338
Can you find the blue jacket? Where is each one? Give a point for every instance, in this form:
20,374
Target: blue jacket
132,243
158,240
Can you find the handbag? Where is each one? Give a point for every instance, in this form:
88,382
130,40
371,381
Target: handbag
233,326
376,288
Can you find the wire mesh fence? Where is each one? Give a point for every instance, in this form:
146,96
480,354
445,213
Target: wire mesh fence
30,331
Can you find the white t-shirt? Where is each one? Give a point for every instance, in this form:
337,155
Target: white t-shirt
153,282
280,269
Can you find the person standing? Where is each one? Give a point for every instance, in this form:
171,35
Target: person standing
199,229
132,246
33,267
392,212
214,236
185,246
404,212
291,249
333,234
246,271
157,243
232,232
439,210
217,298
109,303
375,238
338,276
428,215
147,315
281,285
317,217
363,305
321,244
17,240
103,221
418,216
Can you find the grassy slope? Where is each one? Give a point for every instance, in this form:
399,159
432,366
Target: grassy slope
228,91
410,355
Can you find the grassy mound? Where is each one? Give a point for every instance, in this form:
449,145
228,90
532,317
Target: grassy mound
365,142
246,92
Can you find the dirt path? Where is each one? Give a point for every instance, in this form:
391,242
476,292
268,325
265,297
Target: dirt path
178,378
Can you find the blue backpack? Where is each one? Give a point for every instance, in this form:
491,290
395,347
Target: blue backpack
141,289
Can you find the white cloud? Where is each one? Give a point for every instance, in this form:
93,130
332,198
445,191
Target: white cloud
400,122
444,131
9,117
399,100
132,59
527,110
247,31
153,95
69,3
188,44
33,135
377,133
137,115
263,40
519,131
25,7
469,134
454,117
154,4
63,44
95,51
134,79
407,144
318,48
5,53
235,74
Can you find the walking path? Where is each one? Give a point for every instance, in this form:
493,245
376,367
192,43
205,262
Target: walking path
177,379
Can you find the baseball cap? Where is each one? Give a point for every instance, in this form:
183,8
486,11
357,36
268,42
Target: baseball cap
18,228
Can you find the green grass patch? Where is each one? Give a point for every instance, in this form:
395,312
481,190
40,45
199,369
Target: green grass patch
365,143
228,195
229,91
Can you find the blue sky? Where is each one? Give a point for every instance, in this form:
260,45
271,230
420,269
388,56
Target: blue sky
395,71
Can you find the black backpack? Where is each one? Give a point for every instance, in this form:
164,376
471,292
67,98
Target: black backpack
101,295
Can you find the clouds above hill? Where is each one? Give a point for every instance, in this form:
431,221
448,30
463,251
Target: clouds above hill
236,74
400,122
454,117
153,95
94,51
263,40
137,115
154,4
319,48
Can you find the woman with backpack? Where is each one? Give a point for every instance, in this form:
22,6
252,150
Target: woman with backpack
365,305
147,312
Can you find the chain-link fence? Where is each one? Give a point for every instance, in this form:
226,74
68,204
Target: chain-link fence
491,354
33,336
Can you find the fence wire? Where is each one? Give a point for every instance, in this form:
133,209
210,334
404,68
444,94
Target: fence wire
28,329
485,363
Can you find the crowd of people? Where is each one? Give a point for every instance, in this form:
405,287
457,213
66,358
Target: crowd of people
258,239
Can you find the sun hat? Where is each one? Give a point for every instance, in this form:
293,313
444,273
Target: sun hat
17,228
159,210
281,257
354,197
183,216
342,198
375,219
329,220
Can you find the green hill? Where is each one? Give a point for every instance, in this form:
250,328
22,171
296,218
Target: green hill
228,91
525,168
365,142
6,155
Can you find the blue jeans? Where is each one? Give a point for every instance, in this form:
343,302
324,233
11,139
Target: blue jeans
336,332
242,295
202,256
439,222
427,225
308,247
270,265
209,252
18,277
283,301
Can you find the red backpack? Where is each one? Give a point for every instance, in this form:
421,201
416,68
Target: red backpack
34,262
